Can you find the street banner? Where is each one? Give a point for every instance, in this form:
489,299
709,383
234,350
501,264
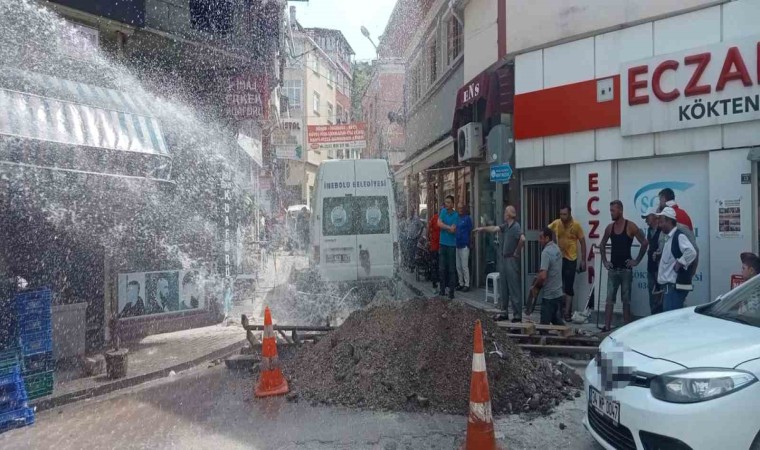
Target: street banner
337,137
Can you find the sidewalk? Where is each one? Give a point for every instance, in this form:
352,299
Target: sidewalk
156,356
151,358
476,298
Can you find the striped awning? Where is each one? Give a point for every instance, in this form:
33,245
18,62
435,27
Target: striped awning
74,123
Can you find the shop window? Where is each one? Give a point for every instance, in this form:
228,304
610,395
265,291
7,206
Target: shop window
211,16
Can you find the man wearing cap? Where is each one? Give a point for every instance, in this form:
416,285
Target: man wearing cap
750,265
677,255
653,259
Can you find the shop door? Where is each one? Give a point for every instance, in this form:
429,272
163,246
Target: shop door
541,204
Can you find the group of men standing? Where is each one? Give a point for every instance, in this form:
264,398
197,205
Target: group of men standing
669,244
449,236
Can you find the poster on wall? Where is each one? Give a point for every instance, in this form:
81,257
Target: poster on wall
639,185
729,218
287,139
150,293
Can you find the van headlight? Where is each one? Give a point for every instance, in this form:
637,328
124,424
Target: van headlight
699,385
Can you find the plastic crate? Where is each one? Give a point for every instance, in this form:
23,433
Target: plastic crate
15,419
38,342
11,405
39,385
38,362
13,392
34,322
9,360
27,301
13,376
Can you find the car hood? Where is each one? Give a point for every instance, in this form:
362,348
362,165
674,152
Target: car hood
691,339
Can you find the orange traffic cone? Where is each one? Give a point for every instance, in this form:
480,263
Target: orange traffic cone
480,434
271,381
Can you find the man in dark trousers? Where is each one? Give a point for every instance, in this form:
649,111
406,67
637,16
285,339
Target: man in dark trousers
653,259
549,278
512,241
677,255
620,265
434,242
448,219
569,234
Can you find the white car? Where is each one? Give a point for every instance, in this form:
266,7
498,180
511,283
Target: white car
685,379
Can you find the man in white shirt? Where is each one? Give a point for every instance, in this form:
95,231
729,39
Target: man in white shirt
677,255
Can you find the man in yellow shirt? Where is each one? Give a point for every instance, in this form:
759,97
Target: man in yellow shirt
569,233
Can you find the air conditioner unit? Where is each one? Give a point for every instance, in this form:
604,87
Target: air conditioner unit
470,141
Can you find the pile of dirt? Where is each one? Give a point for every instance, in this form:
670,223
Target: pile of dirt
417,356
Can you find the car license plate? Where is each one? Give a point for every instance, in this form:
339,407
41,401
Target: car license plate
338,258
605,406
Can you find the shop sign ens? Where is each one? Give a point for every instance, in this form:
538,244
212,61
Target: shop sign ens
706,86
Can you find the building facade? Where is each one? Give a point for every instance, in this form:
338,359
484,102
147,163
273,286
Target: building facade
458,82
317,86
171,98
622,99
383,108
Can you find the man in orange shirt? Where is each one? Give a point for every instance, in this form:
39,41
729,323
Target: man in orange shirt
568,234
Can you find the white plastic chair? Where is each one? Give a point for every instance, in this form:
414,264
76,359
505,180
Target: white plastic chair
492,287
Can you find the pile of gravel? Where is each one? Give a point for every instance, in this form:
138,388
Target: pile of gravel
417,356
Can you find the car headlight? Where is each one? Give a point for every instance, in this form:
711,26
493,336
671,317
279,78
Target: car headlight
699,385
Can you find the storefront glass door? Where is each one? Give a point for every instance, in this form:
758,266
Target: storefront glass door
489,213
541,206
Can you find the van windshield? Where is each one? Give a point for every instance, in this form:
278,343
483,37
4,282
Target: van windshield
343,216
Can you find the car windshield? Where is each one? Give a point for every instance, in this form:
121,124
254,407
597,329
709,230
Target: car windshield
740,305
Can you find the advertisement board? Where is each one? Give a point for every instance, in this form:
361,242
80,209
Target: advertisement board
337,137
150,293
248,96
711,85
639,183
288,139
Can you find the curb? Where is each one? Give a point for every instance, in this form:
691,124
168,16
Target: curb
43,404
413,288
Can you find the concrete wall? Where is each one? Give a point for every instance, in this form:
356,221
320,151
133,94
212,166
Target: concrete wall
433,116
600,56
480,36
533,23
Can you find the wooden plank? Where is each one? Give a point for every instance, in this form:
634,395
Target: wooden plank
524,327
530,327
566,349
285,337
552,337
276,327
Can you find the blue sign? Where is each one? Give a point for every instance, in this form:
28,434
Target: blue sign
501,173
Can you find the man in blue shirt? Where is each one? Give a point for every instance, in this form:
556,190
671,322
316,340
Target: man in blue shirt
464,228
448,219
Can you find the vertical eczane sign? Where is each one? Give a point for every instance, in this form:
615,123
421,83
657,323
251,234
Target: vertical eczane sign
705,86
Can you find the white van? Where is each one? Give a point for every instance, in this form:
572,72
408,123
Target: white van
354,228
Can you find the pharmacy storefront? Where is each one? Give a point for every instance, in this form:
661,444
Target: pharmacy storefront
681,118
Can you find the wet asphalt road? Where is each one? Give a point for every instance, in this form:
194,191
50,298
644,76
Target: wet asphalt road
212,408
